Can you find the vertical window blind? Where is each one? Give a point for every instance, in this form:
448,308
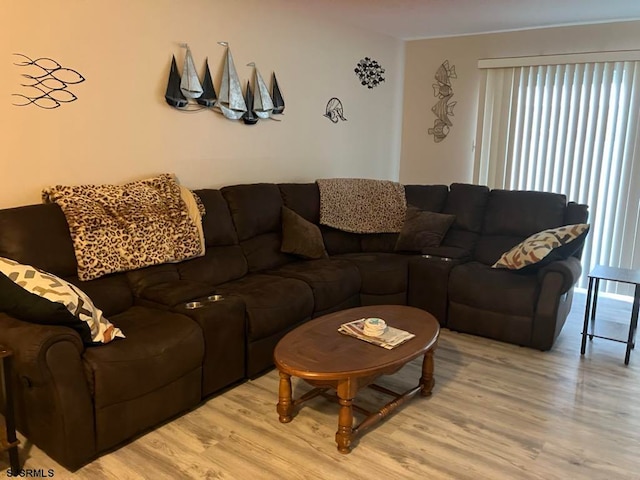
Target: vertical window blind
569,124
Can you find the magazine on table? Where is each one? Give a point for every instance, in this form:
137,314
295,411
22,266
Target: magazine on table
392,337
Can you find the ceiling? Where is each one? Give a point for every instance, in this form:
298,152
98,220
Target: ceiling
414,19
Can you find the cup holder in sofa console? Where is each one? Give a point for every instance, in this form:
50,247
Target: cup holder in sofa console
434,257
204,303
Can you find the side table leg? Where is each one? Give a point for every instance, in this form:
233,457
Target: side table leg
587,311
285,404
14,459
633,325
344,435
427,381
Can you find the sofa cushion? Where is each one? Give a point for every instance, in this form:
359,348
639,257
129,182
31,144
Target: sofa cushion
422,229
160,347
467,202
382,273
337,242
378,242
220,264
38,235
427,197
522,213
217,224
27,306
301,237
273,304
332,280
302,198
55,289
512,216
256,212
544,247
498,290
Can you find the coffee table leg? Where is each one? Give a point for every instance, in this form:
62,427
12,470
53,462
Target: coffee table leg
285,405
344,435
427,381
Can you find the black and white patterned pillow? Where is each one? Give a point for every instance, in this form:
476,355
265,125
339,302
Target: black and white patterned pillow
54,289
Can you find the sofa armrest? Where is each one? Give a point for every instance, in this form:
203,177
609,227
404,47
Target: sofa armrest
556,282
53,404
570,270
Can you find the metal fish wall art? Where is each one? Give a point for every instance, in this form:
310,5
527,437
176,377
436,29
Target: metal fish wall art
443,109
46,83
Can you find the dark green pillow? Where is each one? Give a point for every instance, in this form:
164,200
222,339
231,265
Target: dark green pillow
301,237
27,306
422,229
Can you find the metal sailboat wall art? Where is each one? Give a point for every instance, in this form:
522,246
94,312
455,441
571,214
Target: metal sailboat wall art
187,93
190,83
208,98
173,95
276,96
230,100
249,117
262,103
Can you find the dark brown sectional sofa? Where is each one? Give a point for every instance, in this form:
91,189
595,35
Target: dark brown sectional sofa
76,401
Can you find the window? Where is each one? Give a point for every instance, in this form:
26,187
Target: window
569,124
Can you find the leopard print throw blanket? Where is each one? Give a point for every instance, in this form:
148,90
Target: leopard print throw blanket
361,205
116,228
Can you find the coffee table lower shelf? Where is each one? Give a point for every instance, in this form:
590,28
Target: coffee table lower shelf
347,433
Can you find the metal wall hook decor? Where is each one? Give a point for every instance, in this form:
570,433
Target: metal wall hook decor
186,93
47,83
443,109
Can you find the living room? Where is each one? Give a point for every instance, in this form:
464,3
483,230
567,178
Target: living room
121,129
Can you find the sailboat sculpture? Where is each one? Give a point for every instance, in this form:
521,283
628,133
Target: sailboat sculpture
249,117
230,100
173,95
208,97
190,84
262,103
276,96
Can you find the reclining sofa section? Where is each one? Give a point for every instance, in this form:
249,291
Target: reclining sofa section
76,401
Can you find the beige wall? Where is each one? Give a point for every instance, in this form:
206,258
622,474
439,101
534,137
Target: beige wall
121,129
423,160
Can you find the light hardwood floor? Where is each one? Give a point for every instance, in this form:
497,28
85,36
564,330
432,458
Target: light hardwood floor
497,411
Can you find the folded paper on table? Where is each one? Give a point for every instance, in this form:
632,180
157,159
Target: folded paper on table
392,337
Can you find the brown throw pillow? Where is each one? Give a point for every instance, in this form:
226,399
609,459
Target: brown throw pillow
301,237
423,229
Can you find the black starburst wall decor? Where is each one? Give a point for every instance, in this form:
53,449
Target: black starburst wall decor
369,72
47,83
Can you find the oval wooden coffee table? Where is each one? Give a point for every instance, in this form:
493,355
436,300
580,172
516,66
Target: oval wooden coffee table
329,360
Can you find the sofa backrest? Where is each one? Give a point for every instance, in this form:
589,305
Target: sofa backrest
38,235
512,216
223,259
468,203
304,199
256,210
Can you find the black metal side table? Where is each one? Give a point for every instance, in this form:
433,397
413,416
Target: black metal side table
622,275
9,441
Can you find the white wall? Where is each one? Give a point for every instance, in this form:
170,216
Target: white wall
121,129
423,160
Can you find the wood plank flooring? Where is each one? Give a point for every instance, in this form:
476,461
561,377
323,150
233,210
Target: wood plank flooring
497,411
